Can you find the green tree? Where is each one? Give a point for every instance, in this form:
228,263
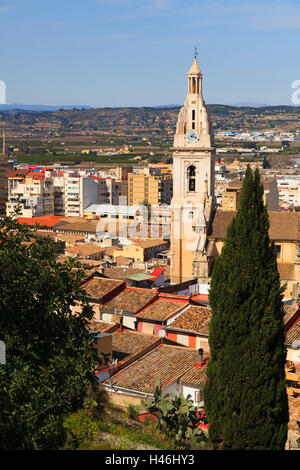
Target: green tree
50,354
245,397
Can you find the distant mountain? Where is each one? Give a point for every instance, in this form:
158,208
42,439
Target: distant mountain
39,107
249,104
167,106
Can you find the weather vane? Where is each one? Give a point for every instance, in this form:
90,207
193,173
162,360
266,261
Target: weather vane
195,52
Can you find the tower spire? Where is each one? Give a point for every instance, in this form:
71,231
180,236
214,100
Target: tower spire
195,52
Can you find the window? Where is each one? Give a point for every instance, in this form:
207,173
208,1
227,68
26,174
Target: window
191,178
278,251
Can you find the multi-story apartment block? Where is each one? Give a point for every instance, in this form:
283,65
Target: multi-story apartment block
34,195
289,191
149,188
59,194
111,191
80,192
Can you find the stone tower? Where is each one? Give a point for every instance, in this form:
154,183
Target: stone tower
193,186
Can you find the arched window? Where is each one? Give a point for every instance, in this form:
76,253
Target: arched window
191,173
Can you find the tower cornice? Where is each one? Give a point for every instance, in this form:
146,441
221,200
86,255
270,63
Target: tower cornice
193,149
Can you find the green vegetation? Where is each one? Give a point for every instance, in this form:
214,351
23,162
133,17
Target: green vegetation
77,158
177,416
50,354
100,425
245,398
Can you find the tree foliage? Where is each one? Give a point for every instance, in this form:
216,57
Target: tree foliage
50,354
245,397
176,415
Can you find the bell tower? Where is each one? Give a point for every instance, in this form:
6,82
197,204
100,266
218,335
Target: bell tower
193,184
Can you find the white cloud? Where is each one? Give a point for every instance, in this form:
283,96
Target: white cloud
6,8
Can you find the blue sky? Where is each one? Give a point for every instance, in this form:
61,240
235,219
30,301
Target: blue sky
137,52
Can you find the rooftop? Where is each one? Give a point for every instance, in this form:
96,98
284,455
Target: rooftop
195,319
45,221
289,312
121,273
86,226
293,334
164,363
150,243
127,344
84,250
99,326
131,299
139,277
112,209
283,225
161,309
98,287
238,184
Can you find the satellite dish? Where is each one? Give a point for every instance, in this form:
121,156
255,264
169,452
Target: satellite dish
162,333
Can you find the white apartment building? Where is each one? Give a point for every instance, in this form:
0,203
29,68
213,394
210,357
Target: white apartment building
34,195
289,191
79,193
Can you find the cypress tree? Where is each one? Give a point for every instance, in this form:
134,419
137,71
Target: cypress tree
245,397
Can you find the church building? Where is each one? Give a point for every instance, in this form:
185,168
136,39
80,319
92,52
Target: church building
198,230
193,186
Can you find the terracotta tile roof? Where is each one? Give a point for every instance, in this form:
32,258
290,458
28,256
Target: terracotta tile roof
195,319
84,250
195,376
161,309
283,225
221,221
293,334
127,344
150,243
86,226
131,300
237,184
48,221
120,273
70,238
98,287
164,363
289,312
46,234
99,326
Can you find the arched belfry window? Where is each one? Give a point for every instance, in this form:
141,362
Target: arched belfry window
191,173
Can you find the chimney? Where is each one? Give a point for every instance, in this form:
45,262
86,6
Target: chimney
121,323
200,351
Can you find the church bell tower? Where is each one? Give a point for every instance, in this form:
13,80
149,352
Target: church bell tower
193,185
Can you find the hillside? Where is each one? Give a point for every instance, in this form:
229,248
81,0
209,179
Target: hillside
112,119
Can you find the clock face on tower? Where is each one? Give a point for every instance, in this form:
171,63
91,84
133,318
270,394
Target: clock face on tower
192,136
